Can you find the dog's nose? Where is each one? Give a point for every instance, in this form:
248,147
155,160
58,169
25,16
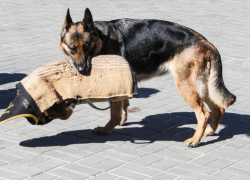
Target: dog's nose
82,69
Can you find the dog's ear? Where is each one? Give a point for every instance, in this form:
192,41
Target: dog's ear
66,24
88,20
67,20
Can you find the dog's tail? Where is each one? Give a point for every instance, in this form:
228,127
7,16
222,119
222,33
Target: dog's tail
218,92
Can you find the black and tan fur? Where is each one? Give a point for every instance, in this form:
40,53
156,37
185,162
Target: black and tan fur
154,48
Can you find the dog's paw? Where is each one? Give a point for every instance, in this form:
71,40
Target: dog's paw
192,142
209,131
101,131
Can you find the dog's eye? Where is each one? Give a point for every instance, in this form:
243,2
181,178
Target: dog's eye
73,50
85,46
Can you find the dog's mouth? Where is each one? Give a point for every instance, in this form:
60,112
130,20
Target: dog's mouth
81,68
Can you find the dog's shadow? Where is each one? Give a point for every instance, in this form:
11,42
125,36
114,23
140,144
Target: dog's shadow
7,95
8,78
173,127
147,92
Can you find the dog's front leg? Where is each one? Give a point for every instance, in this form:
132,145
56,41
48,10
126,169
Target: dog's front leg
116,117
124,112
62,110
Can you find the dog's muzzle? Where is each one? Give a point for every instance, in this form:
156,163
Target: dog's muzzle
82,69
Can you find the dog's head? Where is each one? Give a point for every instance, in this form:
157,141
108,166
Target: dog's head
80,41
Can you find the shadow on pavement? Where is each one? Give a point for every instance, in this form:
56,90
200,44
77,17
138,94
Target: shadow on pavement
7,95
8,78
147,92
160,127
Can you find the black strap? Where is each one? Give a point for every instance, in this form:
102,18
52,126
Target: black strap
135,92
93,106
29,98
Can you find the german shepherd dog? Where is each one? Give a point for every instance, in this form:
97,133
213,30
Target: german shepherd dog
154,48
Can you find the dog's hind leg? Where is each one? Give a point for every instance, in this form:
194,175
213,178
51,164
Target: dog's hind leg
187,69
217,114
202,116
190,95
124,112
116,117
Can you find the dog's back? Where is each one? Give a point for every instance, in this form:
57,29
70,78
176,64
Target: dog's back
146,44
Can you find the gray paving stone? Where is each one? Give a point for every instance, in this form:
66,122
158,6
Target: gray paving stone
128,151
164,164
98,148
107,165
182,151
197,169
10,175
12,138
238,143
173,155
150,145
224,155
235,152
203,160
60,156
8,158
140,169
241,165
43,147
185,173
151,148
240,178
205,149
42,176
5,143
31,161
92,160
5,128
220,164
182,178
82,169
26,171
49,165
237,171
83,144
148,160
73,152
118,156
14,151
104,176
247,160
162,176
138,143
23,130
37,133
67,174
220,175
3,163
128,174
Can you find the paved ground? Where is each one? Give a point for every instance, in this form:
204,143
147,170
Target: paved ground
150,145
